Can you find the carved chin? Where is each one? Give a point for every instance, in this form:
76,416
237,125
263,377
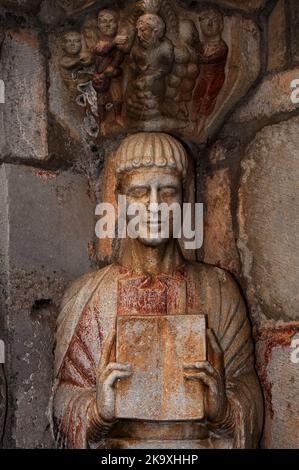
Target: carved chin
107,32
153,242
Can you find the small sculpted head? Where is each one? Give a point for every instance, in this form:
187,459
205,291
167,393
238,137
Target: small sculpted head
211,23
151,171
72,43
150,29
108,23
149,6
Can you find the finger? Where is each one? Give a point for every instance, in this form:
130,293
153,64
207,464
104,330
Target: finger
106,351
203,367
116,375
200,376
193,365
119,366
115,366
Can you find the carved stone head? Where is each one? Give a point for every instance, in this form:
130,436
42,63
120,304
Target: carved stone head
150,6
72,43
108,23
211,23
152,170
150,29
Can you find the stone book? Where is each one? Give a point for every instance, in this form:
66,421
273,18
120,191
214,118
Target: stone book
157,347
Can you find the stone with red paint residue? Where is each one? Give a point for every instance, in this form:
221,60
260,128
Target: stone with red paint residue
279,374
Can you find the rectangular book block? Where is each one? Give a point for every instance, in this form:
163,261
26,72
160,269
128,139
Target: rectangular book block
157,347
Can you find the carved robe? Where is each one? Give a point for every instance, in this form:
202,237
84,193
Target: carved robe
108,86
213,59
88,314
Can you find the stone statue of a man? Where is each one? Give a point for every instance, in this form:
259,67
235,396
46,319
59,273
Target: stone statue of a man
152,57
152,277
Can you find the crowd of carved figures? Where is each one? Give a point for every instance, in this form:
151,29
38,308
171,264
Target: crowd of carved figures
146,67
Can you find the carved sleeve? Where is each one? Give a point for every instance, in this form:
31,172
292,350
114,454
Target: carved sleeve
244,416
76,420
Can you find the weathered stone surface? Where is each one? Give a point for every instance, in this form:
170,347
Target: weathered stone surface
277,44
48,222
243,67
249,5
294,21
268,221
219,241
3,401
23,118
31,6
272,97
280,381
155,392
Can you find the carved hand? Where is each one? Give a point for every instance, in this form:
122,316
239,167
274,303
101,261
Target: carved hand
213,379
121,40
110,71
108,374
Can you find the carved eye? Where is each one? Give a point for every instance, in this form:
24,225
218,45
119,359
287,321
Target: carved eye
138,192
168,191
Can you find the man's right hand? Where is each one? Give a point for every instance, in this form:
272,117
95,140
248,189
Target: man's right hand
108,374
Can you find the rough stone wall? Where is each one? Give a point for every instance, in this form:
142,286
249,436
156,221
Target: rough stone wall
49,183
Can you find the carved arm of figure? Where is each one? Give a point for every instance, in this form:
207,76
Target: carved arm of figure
83,393
108,50
86,55
233,401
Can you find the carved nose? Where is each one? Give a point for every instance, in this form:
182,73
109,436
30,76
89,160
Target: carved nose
154,198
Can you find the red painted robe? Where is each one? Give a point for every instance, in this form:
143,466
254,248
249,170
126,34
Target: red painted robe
211,79
87,317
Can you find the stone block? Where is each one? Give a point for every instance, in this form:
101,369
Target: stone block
157,347
28,6
268,221
277,41
219,241
294,23
23,117
272,97
47,222
279,374
3,401
243,67
249,6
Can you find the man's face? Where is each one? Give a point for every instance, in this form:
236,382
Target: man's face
107,24
210,25
152,187
72,43
146,34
